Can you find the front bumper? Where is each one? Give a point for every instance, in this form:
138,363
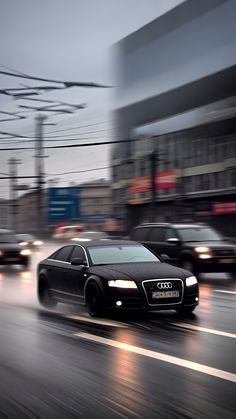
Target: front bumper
223,264
14,260
137,299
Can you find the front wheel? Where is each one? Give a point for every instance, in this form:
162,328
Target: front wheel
44,295
184,311
94,300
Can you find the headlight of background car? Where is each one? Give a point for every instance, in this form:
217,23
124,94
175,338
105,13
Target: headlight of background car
23,243
25,252
191,280
122,283
203,252
37,243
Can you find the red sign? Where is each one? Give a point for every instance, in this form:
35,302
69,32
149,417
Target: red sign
164,180
224,208
140,184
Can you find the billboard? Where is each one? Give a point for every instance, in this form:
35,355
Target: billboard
163,180
63,204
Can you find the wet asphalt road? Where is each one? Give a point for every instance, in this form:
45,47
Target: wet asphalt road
63,364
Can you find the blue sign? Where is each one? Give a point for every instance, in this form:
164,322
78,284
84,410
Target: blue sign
63,204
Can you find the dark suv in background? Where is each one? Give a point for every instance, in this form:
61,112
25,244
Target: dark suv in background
194,247
11,253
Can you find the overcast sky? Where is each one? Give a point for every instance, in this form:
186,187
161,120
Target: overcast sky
67,40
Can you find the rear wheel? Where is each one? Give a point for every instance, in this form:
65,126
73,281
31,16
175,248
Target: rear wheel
44,295
94,300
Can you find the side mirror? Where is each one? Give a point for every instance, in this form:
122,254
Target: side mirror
165,257
173,240
78,261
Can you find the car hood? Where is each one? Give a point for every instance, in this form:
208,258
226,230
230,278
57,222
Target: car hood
139,271
10,246
212,244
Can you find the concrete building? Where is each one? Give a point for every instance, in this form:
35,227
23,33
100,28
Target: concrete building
5,211
96,203
176,101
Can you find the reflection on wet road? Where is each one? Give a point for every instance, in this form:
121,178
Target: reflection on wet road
63,364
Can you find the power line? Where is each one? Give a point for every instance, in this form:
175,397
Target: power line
66,84
76,145
79,171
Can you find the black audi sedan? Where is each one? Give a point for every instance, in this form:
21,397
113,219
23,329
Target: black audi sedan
11,253
114,275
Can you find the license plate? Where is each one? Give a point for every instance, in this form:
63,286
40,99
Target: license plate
227,260
165,294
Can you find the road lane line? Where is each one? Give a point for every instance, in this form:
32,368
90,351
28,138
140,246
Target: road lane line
100,322
204,329
225,292
214,372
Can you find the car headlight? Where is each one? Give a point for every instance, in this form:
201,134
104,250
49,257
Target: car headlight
25,252
122,283
191,280
37,243
23,243
202,249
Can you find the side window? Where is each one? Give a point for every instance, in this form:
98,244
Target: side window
78,252
139,234
63,254
170,234
157,234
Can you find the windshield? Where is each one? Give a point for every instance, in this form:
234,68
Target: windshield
198,234
25,237
8,238
121,254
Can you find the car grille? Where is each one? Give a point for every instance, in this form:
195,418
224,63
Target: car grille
224,253
11,253
159,285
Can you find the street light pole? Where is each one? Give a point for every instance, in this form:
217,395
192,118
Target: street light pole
39,155
13,192
153,165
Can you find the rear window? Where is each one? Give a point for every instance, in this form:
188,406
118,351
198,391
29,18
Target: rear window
139,233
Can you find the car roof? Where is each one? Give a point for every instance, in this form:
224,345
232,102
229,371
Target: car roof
174,225
105,243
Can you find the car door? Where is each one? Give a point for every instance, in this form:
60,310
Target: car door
59,269
77,276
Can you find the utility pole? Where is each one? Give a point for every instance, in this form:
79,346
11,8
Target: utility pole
39,168
13,192
153,165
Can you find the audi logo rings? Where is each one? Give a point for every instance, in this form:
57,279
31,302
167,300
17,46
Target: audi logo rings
164,285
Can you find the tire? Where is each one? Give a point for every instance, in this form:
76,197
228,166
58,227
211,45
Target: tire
94,300
188,265
184,311
44,295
